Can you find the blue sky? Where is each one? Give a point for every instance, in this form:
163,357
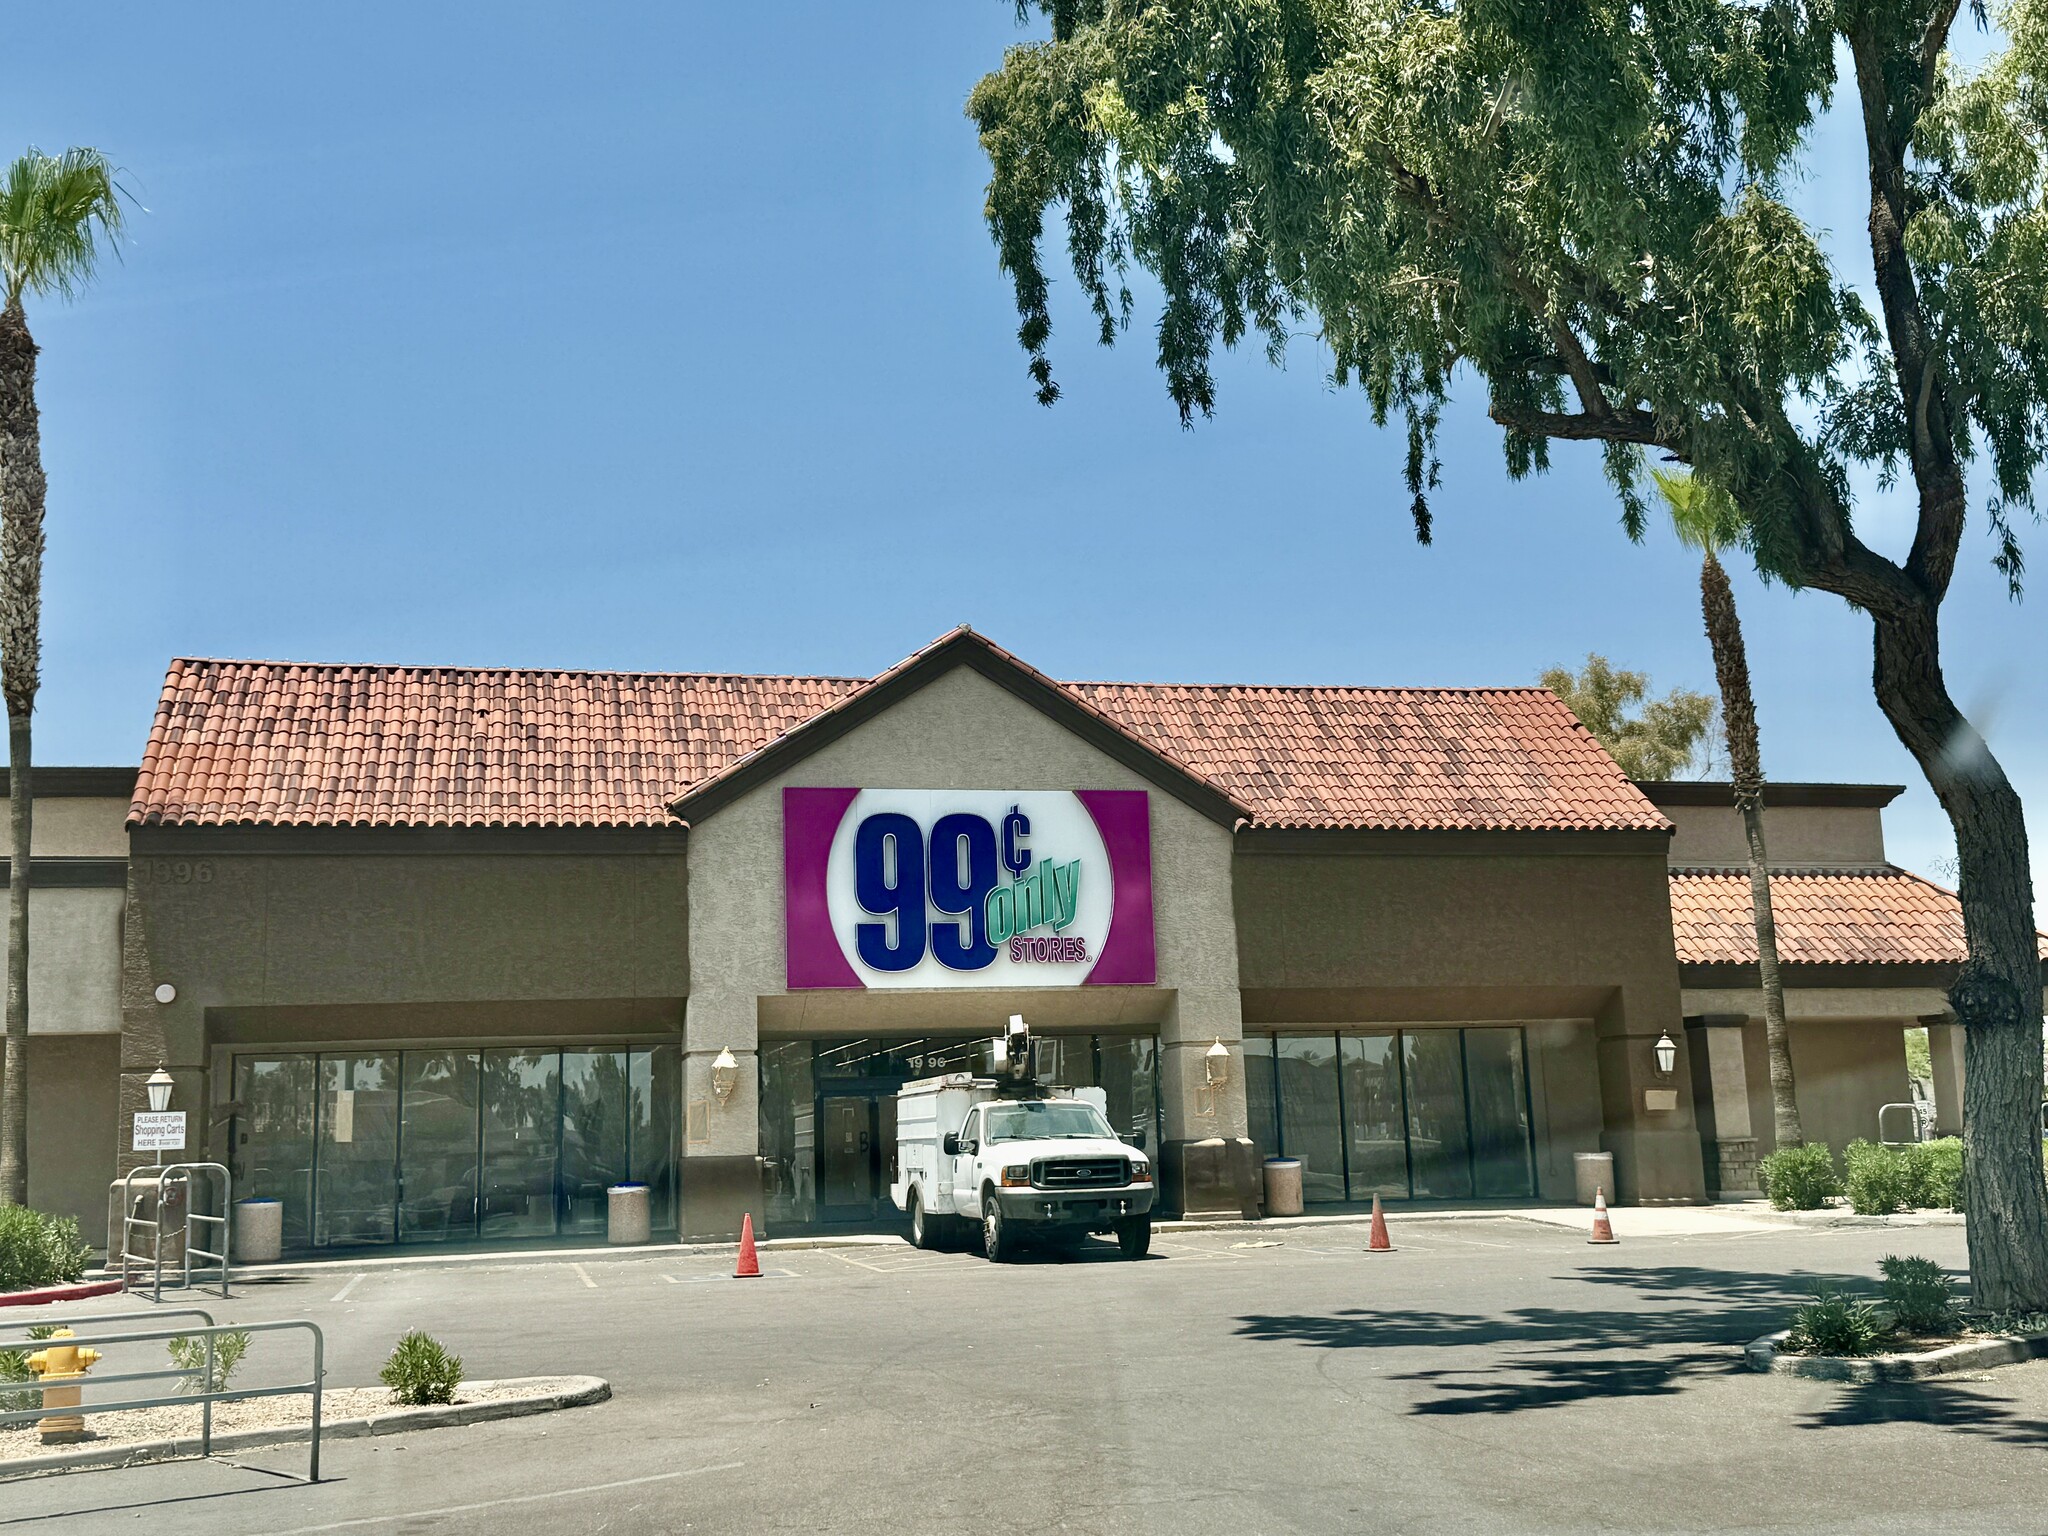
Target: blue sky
671,338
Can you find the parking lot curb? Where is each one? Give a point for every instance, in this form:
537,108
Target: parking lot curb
1971,1355
581,1392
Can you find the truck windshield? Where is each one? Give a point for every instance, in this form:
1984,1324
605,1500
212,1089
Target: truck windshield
1034,1120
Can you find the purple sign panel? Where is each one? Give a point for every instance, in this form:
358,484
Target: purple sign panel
967,888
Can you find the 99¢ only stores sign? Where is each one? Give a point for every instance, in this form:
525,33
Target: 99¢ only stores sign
981,888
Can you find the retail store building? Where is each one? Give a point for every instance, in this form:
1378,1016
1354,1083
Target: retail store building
436,954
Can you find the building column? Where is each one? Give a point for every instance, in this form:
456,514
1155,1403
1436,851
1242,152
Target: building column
721,1165
1648,1118
1945,1051
1207,1166
1720,1081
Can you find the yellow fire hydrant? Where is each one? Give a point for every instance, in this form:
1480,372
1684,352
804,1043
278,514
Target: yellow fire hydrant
63,1362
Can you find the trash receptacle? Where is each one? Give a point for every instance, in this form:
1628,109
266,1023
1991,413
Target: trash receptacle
1593,1171
259,1231
627,1218
1283,1186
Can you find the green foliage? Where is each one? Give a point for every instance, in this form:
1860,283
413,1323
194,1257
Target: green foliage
1834,1323
38,1250
1583,207
55,211
1920,1294
189,1355
420,1371
1654,742
14,1368
1879,1180
1919,1057
1799,1178
1703,515
1937,1174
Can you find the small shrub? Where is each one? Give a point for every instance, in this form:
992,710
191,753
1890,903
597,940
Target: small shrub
1834,1324
38,1250
1920,1294
189,1355
1937,1169
1799,1178
14,1368
420,1371
1878,1180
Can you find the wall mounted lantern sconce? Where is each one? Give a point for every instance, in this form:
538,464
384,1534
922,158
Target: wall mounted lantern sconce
158,1085
1666,1051
725,1074
1216,1063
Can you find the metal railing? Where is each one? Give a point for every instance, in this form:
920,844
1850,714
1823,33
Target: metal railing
164,1176
204,1399
1916,1125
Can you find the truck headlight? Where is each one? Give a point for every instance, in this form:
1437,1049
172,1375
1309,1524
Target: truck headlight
1017,1175
1141,1173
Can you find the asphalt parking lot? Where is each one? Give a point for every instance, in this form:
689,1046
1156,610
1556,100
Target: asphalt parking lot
1490,1376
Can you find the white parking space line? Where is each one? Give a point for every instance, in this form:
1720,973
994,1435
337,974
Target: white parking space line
584,1275
354,1281
523,1498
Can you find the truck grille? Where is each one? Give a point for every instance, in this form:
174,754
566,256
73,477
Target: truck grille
1081,1172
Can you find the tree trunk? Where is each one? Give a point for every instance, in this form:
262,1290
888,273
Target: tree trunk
21,602
1745,770
14,1085
1997,996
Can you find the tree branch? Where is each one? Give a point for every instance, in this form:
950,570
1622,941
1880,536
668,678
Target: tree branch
1627,426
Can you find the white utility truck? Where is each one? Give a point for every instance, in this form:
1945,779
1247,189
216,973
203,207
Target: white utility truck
1016,1159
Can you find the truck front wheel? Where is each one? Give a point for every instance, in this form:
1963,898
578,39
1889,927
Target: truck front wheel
1134,1236
996,1241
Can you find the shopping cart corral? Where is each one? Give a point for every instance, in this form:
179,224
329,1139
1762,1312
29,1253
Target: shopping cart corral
171,1194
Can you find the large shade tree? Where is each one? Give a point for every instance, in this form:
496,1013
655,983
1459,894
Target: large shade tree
1648,737
56,212
1582,210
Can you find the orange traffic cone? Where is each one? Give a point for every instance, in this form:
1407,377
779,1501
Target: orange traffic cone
1603,1229
749,1266
1380,1242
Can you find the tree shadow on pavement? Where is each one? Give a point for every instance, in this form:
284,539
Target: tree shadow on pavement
1688,1324
1940,1404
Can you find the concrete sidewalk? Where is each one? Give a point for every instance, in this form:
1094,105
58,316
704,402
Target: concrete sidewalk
1727,1218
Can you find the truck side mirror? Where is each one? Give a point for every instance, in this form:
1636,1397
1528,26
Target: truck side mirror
951,1144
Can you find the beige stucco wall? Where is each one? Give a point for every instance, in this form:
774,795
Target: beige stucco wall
960,731
1844,1070
74,961
254,934
1819,836
72,1085
1433,926
77,827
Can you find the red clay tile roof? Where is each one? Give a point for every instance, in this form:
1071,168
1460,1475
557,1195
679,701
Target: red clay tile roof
1880,916
1493,759
274,743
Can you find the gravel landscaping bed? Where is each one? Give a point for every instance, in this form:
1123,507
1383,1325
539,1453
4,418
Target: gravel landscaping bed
110,1431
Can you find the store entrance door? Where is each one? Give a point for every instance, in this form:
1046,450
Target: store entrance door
856,1154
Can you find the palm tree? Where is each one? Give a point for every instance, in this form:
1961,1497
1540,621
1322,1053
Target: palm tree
1706,520
55,212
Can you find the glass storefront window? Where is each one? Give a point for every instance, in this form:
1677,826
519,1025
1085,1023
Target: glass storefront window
788,1136
356,1197
437,1146
1129,1073
522,1142
596,1130
1426,1114
1438,1148
1375,1118
657,1097
1262,1111
274,1137
1311,1127
1497,1084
